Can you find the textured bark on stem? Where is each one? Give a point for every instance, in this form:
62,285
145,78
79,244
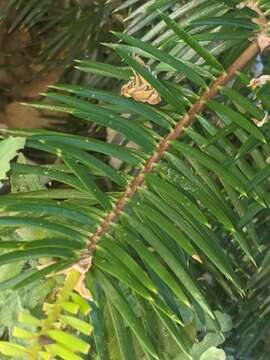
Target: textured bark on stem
163,146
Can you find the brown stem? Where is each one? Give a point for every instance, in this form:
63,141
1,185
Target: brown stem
185,121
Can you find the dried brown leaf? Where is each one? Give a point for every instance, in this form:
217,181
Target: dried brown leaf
260,81
140,90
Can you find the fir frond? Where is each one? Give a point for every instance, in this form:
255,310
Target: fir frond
52,335
182,223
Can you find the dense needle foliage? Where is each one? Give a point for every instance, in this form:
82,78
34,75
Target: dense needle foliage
146,235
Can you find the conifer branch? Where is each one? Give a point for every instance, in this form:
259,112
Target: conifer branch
185,121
